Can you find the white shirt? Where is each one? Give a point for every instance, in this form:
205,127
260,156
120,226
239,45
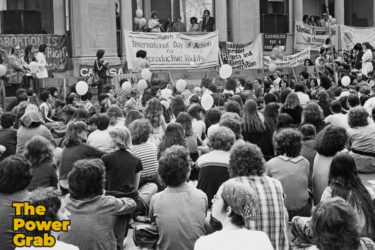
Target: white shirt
59,245
242,239
101,140
42,70
303,99
338,120
199,127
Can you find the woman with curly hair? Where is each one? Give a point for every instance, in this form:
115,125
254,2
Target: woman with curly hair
292,170
192,141
329,142
39,152
213,166
313,114
116,116
131,116
362,140
154,113
254,129
178,105
323,102
293,108
174,135
345,183
334,226
196,113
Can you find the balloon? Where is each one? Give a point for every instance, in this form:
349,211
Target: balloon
166,104
142,84
225,71
139,13
166,93
272,67
207,101
281,48
142,22
137,20
33,66
126,86
180,85
82,88
369,105
3,70
345,81
146,74
273,56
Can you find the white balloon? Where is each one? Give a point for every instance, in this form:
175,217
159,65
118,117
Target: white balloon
3,70
146,74
272,67
142,84
137,20
82,87
33,66
207,101
181,85
166,104
345,81
139,13
142,22
369,105
225,71
166,93
126,86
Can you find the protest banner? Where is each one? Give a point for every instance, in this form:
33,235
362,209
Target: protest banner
242,55
352,35
306,36
57,52
271,40
88,70
288,61
174,50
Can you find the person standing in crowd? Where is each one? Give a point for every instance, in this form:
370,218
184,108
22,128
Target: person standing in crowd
208,22
246,165
153,23
178,25
28,58
293,108
140,62
357,56
17,66
42,71
194,26
100,68
233,205
367,59
180,227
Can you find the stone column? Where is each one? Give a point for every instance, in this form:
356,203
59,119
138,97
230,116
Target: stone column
93,27
59,17
340,11
126,20
221,19
298,10
245,17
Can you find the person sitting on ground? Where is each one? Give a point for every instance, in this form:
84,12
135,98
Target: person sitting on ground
337,118
8,135
100,138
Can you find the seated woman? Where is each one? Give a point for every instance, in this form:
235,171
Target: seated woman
174,135
93,215
191,138
180,210
292,170
234,204
213,166
334,226
46,106
39,153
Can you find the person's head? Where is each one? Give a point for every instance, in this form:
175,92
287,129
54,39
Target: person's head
288,142
193,20
131,116
271,113
174,166
205,83
108,88
251,120
31,119
178,19
121,137
358,117
7,120
16,50
45,96
212,116
174,135
292,101
269,98
76,133
100,53
352,100
15,174
102,121
234,107
196,111
141,54
185,120
366,45
246,159
80,114
67,113
222,138
358,47
86,179
114,113
235,201
336,107
19,92
284,120
234,125
325,82
334,225
87,96
42,48
299,88
206,13
153,111
308,131
231,84
308,62
140,131
38,150
154,15
178,105
323,96
331,140
313,114
71,99
28,50
238,99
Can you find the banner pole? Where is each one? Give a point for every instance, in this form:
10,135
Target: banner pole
331,46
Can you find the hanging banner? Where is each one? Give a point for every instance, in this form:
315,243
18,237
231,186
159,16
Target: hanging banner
57,53
306,36
272,40
288,61
242,55
352,35
174,50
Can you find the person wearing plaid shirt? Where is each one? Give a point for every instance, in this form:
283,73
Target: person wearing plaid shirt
246,165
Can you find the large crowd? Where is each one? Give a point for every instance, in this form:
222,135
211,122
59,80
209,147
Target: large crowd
273,163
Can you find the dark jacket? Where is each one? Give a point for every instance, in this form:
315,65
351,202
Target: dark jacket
208,25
